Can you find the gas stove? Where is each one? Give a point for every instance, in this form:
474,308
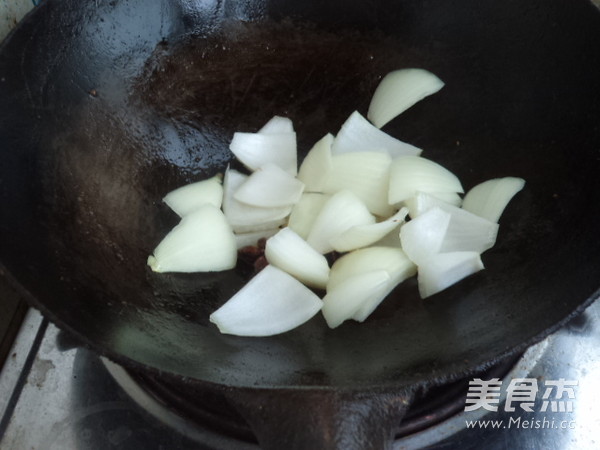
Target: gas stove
55,394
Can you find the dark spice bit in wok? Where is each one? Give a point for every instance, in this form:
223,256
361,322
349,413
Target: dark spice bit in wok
254,255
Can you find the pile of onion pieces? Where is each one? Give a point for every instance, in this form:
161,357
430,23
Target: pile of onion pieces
387,212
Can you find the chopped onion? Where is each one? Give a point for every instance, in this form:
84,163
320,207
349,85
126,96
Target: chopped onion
277,125
366,174
449,197
424,235
366,260
392,239
305,212
422,202
445,269
410,174
392,260
365,235
292,254
370,306
342,185
341,212
244,218
255,150
272,302
316,165
488,199
201,242
358,135
269,187
245,239
346,299
465,232
398,91
468,232
192,196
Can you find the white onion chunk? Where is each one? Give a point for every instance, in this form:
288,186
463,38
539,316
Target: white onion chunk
272,302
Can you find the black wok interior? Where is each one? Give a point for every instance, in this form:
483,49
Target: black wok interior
108,105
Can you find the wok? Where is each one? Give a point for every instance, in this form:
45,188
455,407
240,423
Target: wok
108,105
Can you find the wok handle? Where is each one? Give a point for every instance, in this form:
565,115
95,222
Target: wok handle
322,419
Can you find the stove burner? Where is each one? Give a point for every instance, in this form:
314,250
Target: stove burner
437,404
208,408
203,406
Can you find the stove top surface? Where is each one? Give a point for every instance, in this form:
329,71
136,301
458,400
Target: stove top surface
57,395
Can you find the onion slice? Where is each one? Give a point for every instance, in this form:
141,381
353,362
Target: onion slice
342,211
305,212
423,237
488,199
445,269
411,174
245,239
269,187
352,265
316,165
365,235
272,302
201,242
392,239
292,254
358,135
392,260
465,231
277,125
366,174
244,218
423,202
255,150
191,197
468,232
347,298
398,91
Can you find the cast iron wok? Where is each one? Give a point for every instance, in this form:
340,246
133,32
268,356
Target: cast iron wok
106,106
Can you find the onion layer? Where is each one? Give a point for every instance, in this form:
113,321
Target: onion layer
191,197
244,218
423,202
255,150
316,165
398,91
411,174
342,302
358,135
465,231
252,238
305,212
366,174
353,265
445,269
277,125
342,211
392,260
269,187
292,254
365,235
488,199
201,242
272,302
423,237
